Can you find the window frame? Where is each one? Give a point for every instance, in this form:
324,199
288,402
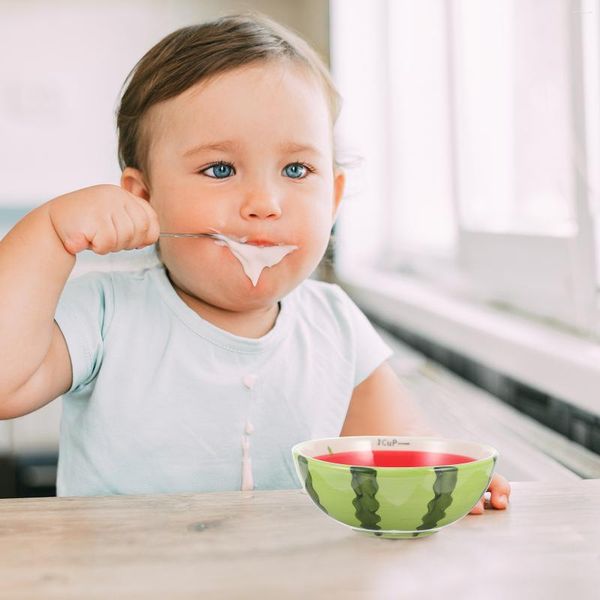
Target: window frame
509,268
550,277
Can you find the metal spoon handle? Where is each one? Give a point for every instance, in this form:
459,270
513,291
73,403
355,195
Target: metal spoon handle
186,235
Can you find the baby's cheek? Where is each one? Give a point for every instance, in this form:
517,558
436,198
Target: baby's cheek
190,254
321,241
314,227
305,260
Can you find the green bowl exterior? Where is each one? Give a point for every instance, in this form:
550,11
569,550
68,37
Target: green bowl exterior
383,499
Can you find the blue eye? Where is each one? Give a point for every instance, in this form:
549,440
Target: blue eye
220,170
295,170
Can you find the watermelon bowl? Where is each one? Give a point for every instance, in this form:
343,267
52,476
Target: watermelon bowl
394,487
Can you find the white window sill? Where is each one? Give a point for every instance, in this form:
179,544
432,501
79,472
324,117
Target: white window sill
556,362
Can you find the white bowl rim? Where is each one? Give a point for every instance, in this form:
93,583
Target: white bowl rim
489,451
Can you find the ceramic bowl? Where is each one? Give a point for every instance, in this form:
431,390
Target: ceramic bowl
440,481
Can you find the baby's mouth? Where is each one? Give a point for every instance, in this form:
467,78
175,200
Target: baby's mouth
255,254
261,243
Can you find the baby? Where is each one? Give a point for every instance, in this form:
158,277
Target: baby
201,373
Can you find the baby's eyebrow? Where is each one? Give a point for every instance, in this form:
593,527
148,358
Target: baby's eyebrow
228,146
292,147
224,146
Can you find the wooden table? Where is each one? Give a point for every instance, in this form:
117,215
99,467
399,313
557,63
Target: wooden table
278,545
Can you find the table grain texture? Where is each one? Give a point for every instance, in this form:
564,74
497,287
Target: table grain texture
277,544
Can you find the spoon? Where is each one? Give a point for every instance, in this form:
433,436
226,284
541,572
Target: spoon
189,235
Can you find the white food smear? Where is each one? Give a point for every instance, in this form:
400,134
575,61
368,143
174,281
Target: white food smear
254,258
247,476
249,381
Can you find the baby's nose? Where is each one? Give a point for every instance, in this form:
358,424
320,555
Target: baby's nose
261,206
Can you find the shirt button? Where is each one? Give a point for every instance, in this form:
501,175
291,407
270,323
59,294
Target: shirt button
249,380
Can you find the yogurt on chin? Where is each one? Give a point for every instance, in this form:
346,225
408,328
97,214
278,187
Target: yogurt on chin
254,258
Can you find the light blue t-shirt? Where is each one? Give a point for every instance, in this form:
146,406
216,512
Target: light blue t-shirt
160,396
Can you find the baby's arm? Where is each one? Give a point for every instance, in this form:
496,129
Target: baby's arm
36,258
381,406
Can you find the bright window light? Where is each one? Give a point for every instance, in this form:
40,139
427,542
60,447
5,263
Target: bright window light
514,115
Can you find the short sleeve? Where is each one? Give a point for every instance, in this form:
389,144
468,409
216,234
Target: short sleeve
371,350
81,315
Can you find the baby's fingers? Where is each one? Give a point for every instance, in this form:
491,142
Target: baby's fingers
104,238
141,225
113,232
499,492
478,508
153,232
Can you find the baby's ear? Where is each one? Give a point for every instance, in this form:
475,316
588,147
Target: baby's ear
339,184
133,181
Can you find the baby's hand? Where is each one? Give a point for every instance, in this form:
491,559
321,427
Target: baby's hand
499,489
103,218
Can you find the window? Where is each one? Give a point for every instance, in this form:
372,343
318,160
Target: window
478,126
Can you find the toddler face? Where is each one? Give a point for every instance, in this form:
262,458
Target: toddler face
247,154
